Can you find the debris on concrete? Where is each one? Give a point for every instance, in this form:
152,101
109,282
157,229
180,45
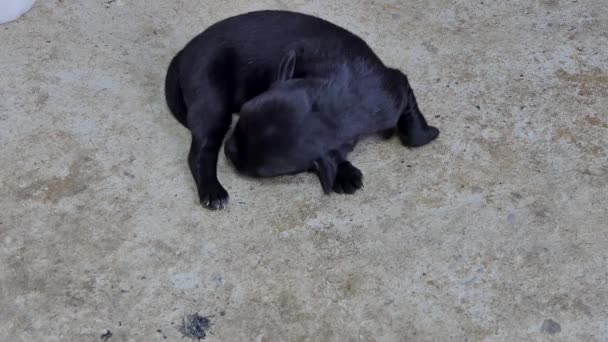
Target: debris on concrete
195,326
106,335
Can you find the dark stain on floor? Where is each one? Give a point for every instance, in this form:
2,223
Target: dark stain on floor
195,326
106,335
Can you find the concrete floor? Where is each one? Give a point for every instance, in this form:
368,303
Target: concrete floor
498,231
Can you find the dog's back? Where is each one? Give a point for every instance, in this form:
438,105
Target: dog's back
251,46
265,36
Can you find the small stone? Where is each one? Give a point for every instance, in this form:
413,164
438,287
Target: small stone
550,327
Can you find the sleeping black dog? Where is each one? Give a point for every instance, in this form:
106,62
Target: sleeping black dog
306,89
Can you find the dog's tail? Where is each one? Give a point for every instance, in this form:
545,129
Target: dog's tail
173,92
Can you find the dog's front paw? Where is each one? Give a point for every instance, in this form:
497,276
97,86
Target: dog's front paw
348,179
419,138
214,196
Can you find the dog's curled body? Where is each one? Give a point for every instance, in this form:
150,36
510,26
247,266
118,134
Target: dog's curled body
307,91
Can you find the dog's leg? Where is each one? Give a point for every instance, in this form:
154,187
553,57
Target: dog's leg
348,178
412,127
208,120
338,174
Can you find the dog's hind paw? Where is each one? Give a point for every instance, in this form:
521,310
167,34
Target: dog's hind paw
420,137
348,179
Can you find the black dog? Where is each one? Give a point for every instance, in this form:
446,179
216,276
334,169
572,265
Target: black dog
306,89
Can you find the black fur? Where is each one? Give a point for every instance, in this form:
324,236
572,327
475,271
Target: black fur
306,89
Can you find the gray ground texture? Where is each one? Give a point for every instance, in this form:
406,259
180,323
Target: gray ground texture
498,231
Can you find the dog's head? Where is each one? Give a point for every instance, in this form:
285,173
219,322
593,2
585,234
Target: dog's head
278,132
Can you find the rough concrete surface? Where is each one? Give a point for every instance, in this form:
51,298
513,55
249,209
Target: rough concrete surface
498,231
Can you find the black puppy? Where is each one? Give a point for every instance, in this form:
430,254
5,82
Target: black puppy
307,91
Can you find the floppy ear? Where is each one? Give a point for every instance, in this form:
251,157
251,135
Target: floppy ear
327,169
287,66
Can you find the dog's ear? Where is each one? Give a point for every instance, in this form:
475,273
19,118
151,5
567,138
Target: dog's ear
287,66
327,169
